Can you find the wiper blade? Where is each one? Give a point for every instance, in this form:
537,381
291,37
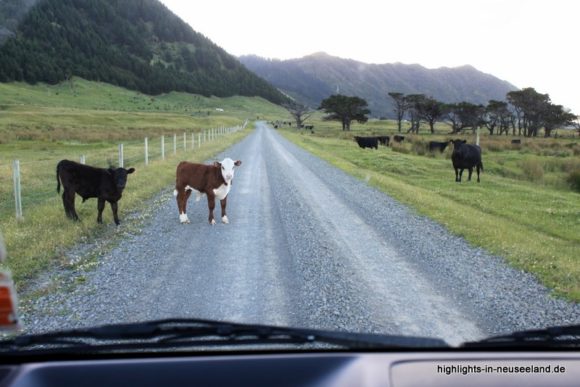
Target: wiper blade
552,337
191,333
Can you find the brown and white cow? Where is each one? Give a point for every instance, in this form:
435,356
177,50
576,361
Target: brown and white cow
215,181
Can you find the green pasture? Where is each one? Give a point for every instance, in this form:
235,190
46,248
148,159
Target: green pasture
39,240
529,217
91,111
42,124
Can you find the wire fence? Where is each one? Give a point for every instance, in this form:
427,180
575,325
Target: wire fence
31,182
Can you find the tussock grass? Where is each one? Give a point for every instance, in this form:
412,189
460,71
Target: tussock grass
535,227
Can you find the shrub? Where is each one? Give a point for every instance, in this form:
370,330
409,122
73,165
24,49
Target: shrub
570,165
574,179
533,170
396,147
419,148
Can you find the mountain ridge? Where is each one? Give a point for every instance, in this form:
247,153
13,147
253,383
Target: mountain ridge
316,76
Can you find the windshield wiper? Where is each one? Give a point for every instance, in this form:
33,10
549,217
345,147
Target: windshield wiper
552,337
193,333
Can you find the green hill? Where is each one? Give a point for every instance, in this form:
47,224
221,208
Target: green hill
136,44
86,110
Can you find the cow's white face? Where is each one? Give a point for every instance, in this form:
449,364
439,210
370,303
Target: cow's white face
227,168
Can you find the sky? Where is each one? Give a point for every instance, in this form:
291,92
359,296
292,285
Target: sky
529,43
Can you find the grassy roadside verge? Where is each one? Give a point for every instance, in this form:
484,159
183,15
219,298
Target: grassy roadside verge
41,239
537,229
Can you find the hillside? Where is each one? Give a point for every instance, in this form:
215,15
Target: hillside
11,13
313,78
137,44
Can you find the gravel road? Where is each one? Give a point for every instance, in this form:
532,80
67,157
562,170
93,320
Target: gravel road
307,246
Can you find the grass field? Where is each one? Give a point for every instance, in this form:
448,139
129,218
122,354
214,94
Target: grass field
93,111
39,240
42,124
526,208
530,218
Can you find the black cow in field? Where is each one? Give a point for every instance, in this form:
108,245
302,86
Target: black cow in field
398,138
384,140
367,142
465,156
517,141
90,182
436,145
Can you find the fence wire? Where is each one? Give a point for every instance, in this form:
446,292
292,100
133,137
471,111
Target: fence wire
38,179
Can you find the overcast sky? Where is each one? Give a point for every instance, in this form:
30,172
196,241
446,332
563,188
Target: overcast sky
528,43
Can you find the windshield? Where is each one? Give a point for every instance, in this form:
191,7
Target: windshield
407,169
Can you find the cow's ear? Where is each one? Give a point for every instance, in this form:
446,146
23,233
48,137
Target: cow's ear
130,170
238,163
464,141
216,164
111,171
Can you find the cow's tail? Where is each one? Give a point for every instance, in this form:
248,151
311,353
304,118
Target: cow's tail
481,165
57,178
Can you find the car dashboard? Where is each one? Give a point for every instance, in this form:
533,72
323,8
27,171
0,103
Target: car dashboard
397,369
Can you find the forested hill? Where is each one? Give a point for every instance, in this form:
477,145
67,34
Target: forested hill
137,44
313,78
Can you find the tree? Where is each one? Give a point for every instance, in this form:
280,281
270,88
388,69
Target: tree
424,108
299,112
537,111
531,106
463,115
555,116
401,106
497,115
414,111
345,109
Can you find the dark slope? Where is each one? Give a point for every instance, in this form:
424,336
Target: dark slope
137,44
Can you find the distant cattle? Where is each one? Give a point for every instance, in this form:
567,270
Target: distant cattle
106,185
384,140
437,146
367,142
517,141
310,127
466,156
215,181
398,138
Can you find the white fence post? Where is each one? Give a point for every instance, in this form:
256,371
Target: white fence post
17,191
163,147
146,151
121,157
199,140
184,141
83,159
192,141
174,143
